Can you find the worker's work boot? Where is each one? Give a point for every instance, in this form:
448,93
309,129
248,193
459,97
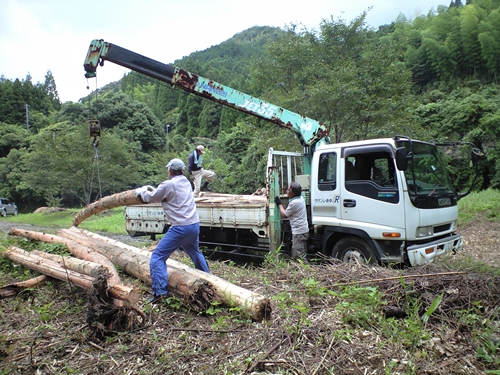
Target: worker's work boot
205,187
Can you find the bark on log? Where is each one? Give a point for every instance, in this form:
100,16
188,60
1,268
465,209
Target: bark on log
254,304
126,198
78,251
12,290
196,292
53,269
74,248
75,264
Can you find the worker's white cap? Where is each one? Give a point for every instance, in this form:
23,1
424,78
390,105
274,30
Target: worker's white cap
201,149
176,165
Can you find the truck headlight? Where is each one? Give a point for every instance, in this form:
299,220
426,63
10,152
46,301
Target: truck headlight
424,231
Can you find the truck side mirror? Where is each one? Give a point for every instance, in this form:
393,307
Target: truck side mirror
402,158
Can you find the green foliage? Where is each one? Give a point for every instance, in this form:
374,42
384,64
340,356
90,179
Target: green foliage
134,121
469,115
68,158
15,95
434,305
342,75
12,137
457,43
358,306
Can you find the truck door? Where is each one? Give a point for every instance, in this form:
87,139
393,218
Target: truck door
325,191
370,197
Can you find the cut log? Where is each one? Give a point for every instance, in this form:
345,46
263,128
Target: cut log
75,264
12,290
254,304
74,248
251,303
196,292
77,250
126,198
53,269
88,234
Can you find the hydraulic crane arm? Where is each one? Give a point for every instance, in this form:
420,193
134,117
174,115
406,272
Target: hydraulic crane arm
310,132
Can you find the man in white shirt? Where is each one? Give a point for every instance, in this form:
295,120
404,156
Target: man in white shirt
176,197
297,214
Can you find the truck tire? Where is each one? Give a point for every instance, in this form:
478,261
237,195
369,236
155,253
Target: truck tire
4,213
353,249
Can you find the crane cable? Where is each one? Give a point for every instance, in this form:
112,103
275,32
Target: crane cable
95,131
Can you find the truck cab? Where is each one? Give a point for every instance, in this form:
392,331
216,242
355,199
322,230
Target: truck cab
366,206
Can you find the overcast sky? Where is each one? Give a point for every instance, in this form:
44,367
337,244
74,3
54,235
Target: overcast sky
41,35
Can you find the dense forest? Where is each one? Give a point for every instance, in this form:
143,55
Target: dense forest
434,78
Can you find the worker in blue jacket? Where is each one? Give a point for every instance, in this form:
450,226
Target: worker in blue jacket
196,171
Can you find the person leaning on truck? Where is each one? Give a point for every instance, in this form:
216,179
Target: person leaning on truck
297,214
176,197
196,172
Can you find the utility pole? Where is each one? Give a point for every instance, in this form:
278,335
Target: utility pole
167,127
27,116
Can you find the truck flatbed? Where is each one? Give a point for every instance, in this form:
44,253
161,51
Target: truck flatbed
218,199
214,209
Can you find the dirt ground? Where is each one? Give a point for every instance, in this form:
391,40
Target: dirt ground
482,242
46,330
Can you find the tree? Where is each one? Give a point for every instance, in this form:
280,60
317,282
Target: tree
134,120
50,89
12,137
62,161
342,75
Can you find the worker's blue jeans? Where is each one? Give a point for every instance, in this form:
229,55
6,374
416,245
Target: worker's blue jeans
187,236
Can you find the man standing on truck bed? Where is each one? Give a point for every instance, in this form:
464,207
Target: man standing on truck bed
177,200
196,172
297,214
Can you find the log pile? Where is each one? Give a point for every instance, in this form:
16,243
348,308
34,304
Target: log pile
95,258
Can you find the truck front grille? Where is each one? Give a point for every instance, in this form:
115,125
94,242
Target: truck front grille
442,228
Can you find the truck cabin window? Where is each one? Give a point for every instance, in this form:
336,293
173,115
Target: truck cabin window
327,176
372,175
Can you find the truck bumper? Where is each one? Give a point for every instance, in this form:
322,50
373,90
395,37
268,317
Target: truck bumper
426,253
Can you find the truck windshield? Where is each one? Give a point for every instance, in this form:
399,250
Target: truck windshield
427,178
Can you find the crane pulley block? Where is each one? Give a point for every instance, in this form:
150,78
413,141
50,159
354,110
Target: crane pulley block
94,128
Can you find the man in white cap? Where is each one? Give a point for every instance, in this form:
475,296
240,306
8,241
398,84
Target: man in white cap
176,197
196,172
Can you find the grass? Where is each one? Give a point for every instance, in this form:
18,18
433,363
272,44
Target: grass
112,221
483,205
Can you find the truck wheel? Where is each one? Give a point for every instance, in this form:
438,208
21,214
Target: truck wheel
353,249
4,213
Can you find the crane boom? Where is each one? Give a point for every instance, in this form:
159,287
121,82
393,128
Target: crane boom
310,132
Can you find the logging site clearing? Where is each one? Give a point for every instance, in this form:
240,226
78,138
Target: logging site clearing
332,318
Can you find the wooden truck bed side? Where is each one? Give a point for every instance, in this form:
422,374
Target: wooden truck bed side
215,211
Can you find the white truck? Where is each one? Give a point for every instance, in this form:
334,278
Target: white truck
379,201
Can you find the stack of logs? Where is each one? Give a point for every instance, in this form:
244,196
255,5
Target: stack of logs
94,258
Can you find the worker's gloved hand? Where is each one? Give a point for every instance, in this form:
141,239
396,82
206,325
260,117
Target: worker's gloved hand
142,189
138,192
277,200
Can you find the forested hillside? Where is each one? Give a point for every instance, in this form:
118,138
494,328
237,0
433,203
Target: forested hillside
433,78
